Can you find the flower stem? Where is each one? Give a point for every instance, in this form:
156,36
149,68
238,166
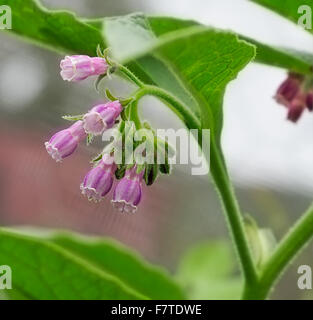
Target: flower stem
175,105
234,217
130,76
133,114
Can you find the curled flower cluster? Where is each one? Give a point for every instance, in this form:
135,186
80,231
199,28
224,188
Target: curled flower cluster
95,122
100,179
296,94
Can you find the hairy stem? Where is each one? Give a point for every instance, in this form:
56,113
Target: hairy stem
175,105
130,75
133,114
234,217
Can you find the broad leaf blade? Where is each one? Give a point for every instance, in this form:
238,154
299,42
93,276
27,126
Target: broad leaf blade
125,47
204,61
116,259
58,30
281,57
59,267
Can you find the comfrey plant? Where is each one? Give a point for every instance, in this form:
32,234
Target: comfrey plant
187,66
99,180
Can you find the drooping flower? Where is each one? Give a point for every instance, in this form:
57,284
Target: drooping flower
309,100
63,143
80,67
98,181
288,89
102,117
296,107
128,191
296,95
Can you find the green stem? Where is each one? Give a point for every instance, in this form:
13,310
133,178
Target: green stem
130,75
234,217
289,247
133,114
175,105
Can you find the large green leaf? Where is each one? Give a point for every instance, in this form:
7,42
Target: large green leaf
207,271
58,30
123,263
68,266
275,56
204,61
286,8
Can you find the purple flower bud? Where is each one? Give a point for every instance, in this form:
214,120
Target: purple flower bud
309,100
64,142
295,110
80,67
288,89
102,117
127,193
98,181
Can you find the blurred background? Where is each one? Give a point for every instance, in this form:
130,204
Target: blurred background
269,158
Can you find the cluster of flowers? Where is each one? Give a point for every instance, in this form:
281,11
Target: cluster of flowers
99,180
296,94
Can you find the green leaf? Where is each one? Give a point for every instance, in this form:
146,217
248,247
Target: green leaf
204,60
68,266
300,62
286,8
122,46
271,55
207,271
58,30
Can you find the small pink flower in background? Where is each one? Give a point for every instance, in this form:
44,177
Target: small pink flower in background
102,117
127,193
63,143
80,67
98,181
294,94
288,89
309,100
296,107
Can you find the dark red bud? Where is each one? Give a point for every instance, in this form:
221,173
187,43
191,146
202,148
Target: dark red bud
288,90
309,101
295,111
